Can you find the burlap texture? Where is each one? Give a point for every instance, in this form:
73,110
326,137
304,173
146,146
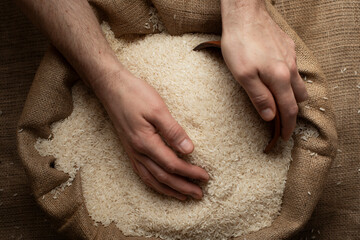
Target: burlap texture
331,30
49,100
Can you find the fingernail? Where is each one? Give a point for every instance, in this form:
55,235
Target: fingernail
185,146
205,177
267,114
198,197
306,96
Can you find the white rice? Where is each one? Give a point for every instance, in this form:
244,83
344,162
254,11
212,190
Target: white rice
246,186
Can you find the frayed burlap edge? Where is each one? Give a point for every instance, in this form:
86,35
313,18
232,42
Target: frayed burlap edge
49,100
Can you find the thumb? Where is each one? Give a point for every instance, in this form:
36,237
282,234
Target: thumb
173,133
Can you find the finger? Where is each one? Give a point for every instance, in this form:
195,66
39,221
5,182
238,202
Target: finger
261,98
299,88
277,77
175,182
297,83
134,167
151,182
155,148
173,133
130,153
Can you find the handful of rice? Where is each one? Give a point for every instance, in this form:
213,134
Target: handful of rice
246,186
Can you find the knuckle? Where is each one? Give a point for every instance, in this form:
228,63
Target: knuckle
293,66
174,132
137,143
158,109
170,167
244,74
292,111
282,73
162,177
292,44
261,101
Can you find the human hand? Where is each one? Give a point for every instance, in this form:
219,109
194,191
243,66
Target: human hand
262,59
142,121
136,110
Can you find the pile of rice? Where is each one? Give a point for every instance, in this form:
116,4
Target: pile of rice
246,186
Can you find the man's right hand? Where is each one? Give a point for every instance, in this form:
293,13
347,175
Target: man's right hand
142,121
262,59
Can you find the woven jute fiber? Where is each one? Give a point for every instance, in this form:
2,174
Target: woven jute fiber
49,100
331,30
21,48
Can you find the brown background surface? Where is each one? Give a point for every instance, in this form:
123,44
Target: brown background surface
22,47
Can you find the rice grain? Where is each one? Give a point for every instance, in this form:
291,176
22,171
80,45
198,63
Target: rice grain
245,191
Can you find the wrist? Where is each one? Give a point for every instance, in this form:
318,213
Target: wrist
106,79
244,6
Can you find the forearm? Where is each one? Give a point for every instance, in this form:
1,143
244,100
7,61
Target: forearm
74,30
238,12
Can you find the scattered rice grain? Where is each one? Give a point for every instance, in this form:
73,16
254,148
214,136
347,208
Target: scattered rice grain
20,130
155,20
313,154
322,109
304,138
305,131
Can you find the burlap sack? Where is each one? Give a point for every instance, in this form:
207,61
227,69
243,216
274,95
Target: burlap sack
49,100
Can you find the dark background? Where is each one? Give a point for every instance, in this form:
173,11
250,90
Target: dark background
21,49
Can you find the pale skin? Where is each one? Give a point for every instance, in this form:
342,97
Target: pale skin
262,59
138,113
